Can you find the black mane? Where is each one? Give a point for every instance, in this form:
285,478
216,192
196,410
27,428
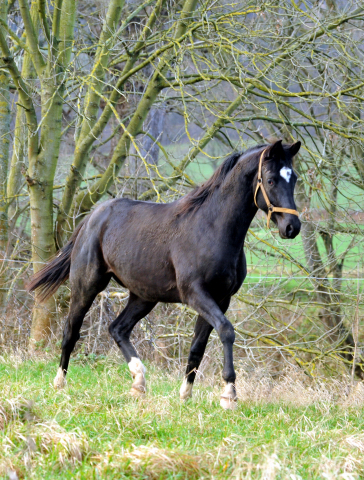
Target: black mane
200,194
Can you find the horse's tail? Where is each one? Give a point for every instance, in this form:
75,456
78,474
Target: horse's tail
53,274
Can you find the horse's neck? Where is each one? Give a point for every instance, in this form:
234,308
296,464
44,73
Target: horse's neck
234,205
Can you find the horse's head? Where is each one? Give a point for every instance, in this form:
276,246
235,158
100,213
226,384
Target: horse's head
274,187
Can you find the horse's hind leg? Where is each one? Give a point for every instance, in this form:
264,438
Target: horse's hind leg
198,346
120,329
197,351
83,293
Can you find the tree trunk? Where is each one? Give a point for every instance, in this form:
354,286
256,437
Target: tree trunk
17,166
92,105
42,167
41,176
4,158
18,159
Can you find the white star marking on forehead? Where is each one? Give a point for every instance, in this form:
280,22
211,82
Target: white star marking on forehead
286,173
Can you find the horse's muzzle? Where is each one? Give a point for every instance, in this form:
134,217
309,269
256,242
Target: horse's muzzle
290,228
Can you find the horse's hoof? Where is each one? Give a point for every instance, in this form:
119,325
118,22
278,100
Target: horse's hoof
186,391
228,403
185,398
60,380
138,390
228,398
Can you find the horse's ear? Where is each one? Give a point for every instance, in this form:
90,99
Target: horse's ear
275,150
293,149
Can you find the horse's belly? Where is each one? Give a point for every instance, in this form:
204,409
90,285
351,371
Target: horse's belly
148,279
153,290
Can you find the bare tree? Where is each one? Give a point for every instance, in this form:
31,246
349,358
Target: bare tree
174,87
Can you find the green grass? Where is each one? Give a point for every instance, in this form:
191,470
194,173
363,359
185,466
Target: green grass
94,429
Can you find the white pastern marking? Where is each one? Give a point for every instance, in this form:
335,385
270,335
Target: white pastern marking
60,380
137,370
228,398
229,391
186,390
286,173
136,367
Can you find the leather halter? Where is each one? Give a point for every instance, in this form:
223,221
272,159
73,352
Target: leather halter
271,208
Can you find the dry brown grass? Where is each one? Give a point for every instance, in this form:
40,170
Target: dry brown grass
155,463
35,440
295,388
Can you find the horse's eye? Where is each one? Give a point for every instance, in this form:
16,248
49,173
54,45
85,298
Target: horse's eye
270,182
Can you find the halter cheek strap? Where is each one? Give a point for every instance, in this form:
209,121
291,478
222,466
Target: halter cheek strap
271,208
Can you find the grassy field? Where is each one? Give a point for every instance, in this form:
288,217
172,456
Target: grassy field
284,429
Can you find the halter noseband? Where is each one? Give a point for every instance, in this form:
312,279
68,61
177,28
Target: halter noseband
271,208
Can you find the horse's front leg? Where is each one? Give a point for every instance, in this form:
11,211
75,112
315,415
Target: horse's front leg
197,351
201,301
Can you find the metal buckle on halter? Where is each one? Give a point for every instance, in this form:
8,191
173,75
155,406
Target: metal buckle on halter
260,180
271,208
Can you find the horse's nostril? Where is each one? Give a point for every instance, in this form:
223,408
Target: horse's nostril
289,231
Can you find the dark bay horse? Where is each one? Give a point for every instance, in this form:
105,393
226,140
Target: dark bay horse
189,251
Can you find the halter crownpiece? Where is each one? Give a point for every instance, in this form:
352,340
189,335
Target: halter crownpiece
271,208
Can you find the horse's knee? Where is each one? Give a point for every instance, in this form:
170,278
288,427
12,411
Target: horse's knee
227,333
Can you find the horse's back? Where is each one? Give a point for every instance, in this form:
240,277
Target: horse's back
133,239
156,253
